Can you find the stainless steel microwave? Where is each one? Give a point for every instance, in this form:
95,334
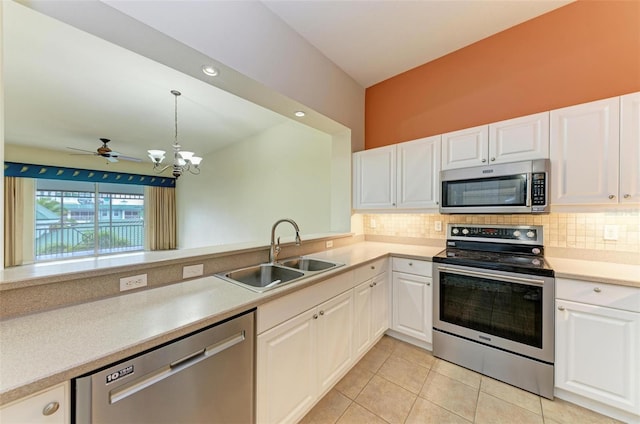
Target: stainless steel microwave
517,187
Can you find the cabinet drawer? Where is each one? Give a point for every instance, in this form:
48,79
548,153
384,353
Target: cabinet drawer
612,296
412,266
370,270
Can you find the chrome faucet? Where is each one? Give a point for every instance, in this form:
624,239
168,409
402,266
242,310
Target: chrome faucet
275,246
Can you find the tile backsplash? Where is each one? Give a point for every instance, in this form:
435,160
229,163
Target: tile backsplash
561,230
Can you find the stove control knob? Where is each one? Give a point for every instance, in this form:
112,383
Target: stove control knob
536,262
516,233
455,231
531,234
535,251
465,231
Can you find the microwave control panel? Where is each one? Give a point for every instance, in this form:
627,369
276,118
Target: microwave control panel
539,189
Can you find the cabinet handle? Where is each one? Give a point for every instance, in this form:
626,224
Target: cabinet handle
597,290
321,312
315,316
428,284
611,196
561,308
493,159
626,196
373,267
393,204
483,160
50,408
375,283
371,285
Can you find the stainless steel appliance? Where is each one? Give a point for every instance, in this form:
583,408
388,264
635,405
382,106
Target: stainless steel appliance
206,377
493,304
518,187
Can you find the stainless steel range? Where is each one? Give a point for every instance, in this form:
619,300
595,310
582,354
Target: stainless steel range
493,304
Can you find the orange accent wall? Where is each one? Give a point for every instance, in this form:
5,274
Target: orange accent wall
584,51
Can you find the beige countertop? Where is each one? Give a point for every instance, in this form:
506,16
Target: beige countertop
46,348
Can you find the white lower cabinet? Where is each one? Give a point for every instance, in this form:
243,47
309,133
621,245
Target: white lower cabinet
412,298
49,406
299,358
598,343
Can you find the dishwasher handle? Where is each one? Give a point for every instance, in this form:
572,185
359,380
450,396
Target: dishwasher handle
175,367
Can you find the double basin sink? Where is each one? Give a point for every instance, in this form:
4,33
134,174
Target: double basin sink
268,276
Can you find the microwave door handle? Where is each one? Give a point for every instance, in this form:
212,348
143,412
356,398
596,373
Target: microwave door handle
529,188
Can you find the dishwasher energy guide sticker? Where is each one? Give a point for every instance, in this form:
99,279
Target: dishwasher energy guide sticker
116,375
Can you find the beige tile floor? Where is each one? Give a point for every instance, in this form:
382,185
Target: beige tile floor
396,382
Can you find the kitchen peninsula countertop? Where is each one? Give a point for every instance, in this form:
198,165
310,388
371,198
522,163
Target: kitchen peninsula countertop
46,348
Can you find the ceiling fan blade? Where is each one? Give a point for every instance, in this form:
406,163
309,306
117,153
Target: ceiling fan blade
129,158
112,159
82,154
82,150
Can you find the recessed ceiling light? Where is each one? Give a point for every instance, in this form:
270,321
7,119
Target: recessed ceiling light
300,114
210,70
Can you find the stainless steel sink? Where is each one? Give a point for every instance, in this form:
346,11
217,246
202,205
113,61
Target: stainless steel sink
264,277
308,264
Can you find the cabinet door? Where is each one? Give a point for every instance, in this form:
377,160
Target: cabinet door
418,173
518,139
412,305
630,148
597,351
286,370
47,407
375,178
584,153
380,306
362,335
335,330
464,148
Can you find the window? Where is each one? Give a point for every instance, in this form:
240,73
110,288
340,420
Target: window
76,219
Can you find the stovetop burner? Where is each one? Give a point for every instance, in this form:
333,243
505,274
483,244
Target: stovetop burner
504,248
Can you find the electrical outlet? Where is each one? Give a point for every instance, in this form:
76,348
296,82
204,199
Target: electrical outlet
133,282
328,244
610,232
438,225
192,271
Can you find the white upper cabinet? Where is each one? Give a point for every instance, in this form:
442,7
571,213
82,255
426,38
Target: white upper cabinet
465,148
585,143
374,175
402,176
630,148
513,140
418,173
518,139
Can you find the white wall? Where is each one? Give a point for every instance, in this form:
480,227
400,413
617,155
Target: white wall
243,189
261,58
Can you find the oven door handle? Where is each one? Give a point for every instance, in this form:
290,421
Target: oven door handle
523,280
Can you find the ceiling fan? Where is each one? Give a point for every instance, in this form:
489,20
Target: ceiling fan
106,152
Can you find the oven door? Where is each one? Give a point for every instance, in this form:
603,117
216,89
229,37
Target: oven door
509,311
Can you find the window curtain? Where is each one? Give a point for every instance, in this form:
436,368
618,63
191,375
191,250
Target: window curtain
13,221
161,231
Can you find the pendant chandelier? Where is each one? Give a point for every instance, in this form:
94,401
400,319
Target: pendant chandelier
183,161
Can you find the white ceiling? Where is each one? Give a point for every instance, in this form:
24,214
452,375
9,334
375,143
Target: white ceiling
375,40
66,88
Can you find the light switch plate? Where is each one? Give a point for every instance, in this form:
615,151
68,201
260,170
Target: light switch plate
329,244
438,225
191,271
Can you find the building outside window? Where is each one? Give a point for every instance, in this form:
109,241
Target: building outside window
75,219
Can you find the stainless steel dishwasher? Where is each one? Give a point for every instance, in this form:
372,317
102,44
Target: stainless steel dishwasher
205,377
